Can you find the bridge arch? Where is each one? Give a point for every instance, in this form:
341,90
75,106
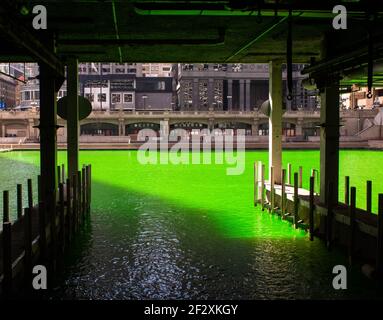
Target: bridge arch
134,127
234,125
99,129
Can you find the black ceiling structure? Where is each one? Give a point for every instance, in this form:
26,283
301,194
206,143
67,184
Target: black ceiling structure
243,31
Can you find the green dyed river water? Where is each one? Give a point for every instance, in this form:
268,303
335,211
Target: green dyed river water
191,231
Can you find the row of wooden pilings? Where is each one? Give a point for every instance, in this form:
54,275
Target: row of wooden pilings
330,206
55,229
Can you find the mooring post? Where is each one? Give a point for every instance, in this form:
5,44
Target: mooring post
289,174
27,246
330,215
74,204
255,183
263,187
283,193
379,247
30,194
58,174
39,188
19,200
63,173
311,208
347,190
83,193
7,259
369,196
5,206
296,200
88,184
68,211
61,217
42,230
352,224
300,177
272,195
79,197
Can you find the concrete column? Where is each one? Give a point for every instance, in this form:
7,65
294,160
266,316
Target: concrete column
211,124
254,128
164,127
242,95
3,130
195,94
210,90
275,120
121,127
72,121
248,107
230,94
298,128
48,138
329,141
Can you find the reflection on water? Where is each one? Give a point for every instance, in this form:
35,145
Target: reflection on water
190,232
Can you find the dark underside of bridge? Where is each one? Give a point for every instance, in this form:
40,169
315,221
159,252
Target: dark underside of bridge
246,31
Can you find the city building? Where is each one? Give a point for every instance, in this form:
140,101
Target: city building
229,87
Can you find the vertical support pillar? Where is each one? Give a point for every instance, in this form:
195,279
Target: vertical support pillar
72,121
248,107
48,137
230,94
195,94
329,141
242,95
210,92
275,120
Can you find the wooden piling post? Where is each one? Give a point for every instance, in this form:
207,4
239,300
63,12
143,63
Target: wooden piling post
90,184
263,187
79,197
369,196
289,174
61,217
283,193
42,231
272,195
19,200
58,175
27,246
255,183
74,203
69,213
88,188
352,224
7,259
39,188
379,247
30,193
311,208
296,200
330,215
83,193
63,173
5,206
300,177
347,190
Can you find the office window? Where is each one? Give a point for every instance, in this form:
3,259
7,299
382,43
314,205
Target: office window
116,98
101,97
89,96
128,98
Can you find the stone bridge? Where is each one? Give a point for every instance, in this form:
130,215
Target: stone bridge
301,123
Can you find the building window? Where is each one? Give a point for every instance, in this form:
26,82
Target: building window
101,97
89,96
161,85
218,93
187,94
203,93
116,98
128,98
